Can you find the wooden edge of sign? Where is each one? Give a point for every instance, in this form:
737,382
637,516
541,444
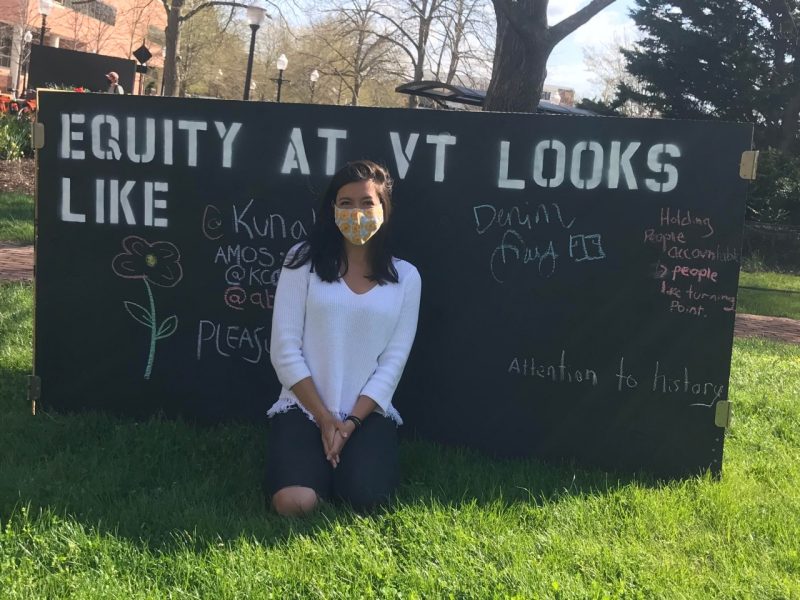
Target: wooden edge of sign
722,416
37,135
748,165
34,391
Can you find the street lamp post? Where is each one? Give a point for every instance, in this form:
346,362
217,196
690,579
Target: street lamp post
255,14
24,53
45,6
163,54
314,77
282,63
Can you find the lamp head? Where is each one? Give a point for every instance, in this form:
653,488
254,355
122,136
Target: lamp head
283,62
255,15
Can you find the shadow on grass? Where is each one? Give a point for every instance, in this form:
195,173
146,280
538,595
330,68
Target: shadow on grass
167,483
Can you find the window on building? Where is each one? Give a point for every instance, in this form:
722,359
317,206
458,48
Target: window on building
545,95
6,42
72,45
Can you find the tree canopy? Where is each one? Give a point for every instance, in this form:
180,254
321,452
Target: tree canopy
736,61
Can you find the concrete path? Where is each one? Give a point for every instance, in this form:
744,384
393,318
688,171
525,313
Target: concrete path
16,264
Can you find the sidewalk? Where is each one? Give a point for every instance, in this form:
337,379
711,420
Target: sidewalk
16,264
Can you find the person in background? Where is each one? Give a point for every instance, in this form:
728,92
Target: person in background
344,320
113,83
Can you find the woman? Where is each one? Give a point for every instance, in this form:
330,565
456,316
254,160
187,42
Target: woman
344,320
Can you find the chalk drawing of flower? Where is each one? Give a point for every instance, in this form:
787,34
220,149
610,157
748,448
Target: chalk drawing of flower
156,263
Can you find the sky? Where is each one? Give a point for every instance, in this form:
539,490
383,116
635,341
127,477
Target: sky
565,67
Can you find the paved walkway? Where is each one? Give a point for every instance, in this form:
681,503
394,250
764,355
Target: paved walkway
776,328
16,264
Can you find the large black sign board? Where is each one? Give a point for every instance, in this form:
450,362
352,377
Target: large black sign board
70,68
579,274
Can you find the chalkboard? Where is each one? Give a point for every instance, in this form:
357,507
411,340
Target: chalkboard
579,273
71,68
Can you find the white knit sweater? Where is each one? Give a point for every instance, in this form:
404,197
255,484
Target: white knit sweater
349,344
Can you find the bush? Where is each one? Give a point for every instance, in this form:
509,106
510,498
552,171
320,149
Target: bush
15,138
771,247
775,194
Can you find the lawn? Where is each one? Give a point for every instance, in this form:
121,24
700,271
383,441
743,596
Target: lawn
772,294
98,507
16,217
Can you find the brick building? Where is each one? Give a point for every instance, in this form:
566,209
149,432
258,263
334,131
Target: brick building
555,94
111,27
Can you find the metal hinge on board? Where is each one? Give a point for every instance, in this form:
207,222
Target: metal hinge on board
748,165
722,416
37,135
34,391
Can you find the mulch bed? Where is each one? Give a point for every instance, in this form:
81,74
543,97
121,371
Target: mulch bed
17,176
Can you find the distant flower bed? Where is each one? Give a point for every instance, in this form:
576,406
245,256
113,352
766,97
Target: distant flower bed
15,137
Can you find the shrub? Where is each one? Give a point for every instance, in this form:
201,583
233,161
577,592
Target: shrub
775,194
15,138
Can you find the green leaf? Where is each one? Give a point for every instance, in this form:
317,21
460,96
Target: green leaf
167,327
139,313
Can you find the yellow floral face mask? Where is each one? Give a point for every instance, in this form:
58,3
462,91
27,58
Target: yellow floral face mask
358,225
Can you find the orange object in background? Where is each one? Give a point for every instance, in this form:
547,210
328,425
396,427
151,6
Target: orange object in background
18,106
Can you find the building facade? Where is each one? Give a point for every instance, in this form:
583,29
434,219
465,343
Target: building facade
558,95
110,27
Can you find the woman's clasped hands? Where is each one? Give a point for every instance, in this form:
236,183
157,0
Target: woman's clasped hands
335,434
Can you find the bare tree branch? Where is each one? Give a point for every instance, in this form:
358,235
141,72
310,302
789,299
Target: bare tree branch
562,29
205,5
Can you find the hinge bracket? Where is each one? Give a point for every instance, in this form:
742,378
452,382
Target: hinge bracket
37,135
722,416
34,391
748,165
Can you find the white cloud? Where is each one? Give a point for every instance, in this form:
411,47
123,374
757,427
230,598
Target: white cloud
572,76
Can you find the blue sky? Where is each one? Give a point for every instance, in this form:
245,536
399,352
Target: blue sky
565,67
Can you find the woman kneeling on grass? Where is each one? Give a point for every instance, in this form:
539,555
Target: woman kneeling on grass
344,319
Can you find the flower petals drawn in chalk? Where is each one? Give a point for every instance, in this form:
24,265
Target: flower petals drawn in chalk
157,262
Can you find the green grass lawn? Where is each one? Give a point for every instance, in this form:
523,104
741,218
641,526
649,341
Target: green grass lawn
766,293
93,506
16,218
770,281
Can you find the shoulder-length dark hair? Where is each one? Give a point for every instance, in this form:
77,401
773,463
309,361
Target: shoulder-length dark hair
325,245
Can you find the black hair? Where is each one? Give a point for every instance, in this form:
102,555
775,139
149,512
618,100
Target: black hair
325,245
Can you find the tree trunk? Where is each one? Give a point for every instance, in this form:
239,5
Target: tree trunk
419,75
419,65
520,68
172,37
